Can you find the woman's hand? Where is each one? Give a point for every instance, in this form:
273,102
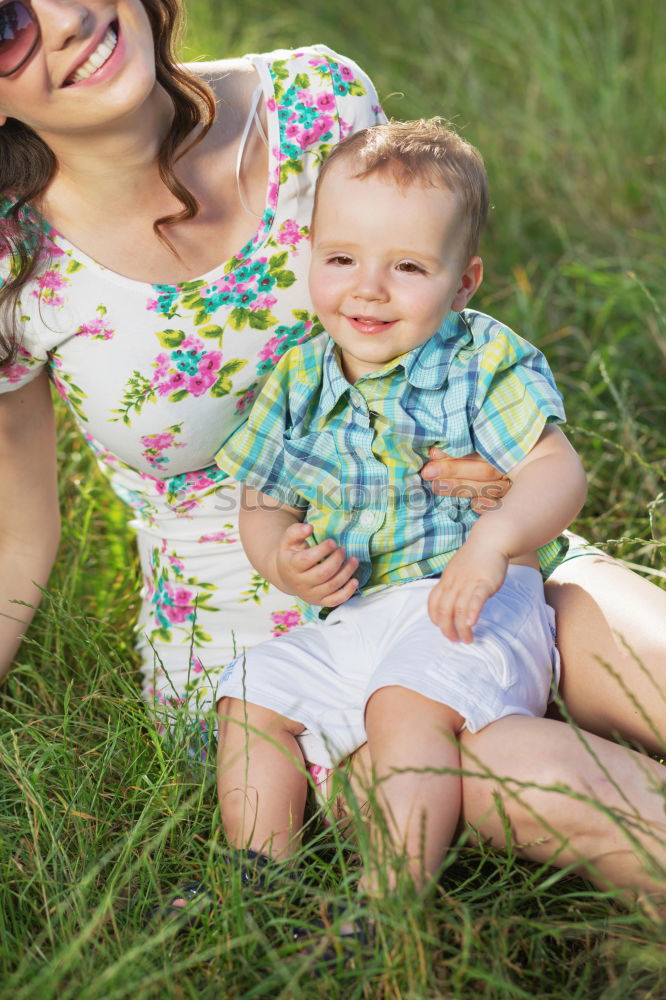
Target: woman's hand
319,574
469,476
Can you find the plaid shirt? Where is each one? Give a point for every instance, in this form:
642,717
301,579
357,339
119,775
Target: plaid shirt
351,455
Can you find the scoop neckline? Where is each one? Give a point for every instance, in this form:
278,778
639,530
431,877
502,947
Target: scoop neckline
254,243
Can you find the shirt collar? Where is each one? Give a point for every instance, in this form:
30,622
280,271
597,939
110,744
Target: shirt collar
426,367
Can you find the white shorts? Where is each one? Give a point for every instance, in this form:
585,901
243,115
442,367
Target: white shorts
323,674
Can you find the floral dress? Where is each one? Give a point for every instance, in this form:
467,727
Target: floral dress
158,376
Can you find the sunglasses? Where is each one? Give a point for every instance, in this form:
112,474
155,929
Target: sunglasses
19,36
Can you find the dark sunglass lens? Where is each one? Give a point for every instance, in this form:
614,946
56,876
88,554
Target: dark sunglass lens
18,30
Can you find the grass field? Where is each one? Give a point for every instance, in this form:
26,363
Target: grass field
99,819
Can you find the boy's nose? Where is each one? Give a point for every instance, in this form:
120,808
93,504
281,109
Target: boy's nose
370,285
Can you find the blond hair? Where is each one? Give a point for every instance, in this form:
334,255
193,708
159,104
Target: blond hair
427,152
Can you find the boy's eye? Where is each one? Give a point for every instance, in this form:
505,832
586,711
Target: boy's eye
341,259
409,267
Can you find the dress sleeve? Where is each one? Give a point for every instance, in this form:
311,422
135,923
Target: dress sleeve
355,96
254,454
515,398
30,357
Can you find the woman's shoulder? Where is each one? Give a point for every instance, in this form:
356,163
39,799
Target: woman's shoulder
304,68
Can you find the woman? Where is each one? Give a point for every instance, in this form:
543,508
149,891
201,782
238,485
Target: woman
158,348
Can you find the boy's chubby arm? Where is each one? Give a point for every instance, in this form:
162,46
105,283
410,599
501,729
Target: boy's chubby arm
274,538
549,489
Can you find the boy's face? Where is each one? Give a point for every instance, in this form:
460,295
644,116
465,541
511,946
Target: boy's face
387,265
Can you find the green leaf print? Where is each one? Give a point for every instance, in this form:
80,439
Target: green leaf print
356,88
191,298
257,587
171,338
261,319
212,332
138,392
73,266
284,279
238,318
176,397
279,69
223,385
290,167
277,261
302,81
233,367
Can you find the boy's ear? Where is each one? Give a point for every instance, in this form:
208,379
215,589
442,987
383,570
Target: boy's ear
470,280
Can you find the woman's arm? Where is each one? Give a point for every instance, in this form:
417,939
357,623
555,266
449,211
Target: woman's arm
30,523
549,490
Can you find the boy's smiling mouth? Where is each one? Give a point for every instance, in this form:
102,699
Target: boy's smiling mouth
370,324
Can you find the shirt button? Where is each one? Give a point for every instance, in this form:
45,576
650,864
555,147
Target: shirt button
356,399
367,518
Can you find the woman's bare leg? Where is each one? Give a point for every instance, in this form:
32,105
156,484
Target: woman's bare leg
611,627
570,798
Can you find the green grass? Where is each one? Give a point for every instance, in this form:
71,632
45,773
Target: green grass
99,820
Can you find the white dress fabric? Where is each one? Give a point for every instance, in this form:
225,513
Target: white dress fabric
158,376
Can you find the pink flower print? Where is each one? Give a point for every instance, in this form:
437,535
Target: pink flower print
323,124
346,73
16,372
97,329
319,773
289,233
156,444
161,365
176,563
178,604
326,102
197,665
191,342
284,621
269,350
176,381
263,302
222,537
210,362
152,304
270,104
246,400
49,284
305,97
198,384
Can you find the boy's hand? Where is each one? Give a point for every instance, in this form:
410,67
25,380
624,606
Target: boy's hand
472,575
319,574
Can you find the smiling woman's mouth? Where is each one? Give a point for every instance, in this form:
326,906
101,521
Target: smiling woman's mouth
97,58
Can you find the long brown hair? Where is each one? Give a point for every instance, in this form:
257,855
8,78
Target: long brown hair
27,166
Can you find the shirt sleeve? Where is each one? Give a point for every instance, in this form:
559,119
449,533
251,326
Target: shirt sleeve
515,398
254,454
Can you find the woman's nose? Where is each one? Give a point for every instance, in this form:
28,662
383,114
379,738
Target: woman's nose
63,21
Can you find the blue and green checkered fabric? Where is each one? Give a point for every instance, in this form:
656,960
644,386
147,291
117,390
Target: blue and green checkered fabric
351,455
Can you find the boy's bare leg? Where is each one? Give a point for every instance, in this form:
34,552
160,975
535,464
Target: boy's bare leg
413,745
260,778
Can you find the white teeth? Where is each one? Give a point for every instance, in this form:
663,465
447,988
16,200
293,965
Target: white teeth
97,58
